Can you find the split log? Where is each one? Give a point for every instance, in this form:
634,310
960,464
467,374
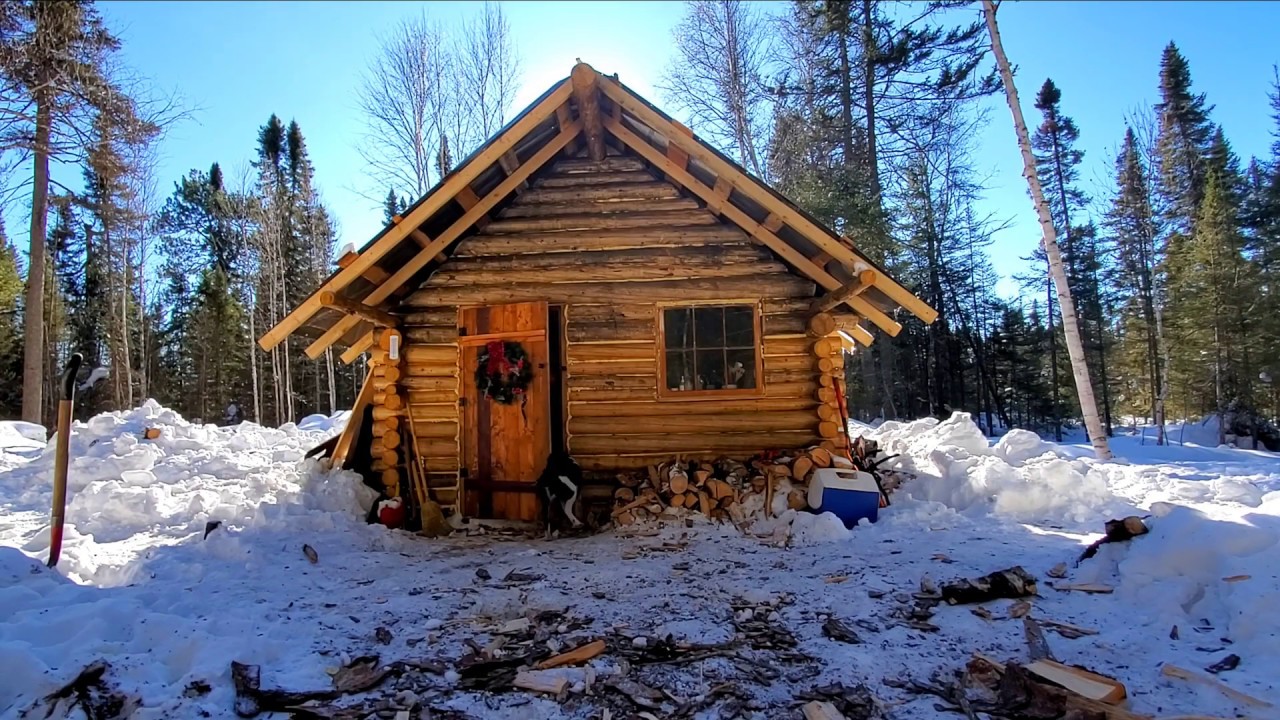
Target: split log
704,502
576,656
797,500
541,681
1174,671
821,710
1011,583
1116,531
624,494
1079,681
821,458
801,468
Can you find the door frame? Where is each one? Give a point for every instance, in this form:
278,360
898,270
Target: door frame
471,406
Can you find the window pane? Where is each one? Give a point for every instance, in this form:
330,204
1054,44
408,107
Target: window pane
709,328
710,369
739,327
678,328
741,372
679,371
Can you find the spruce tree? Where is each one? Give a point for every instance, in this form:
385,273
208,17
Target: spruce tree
10,328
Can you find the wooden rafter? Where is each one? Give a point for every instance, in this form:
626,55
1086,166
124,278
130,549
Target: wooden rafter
444,239
852,326
392,237
857,286
380,318
357,348
760,194
584,83
751,227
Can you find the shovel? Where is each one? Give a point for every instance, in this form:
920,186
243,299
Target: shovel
65,404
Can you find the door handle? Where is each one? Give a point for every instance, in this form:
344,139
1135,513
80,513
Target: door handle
542,366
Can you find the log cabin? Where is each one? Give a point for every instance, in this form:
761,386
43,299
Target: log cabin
596,279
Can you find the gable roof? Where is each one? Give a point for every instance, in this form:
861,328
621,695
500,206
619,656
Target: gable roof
369,282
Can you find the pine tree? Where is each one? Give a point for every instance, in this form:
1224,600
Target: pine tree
53,59
10,328
1131,227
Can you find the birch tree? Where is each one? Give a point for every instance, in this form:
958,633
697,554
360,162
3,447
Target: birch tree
1070,325
717,76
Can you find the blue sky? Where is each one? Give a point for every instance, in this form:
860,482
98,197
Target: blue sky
235,63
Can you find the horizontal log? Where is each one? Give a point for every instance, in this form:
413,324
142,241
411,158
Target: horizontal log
616,163
592,179
591,240
583,383
420,385
790,389
431,335
790,362
600,221
709,420
428,411
713,261
435,447
692,442
785,306
435,429
648,366
789,325
587,208
655,291
787,345
611,312
611,331
431,370
648,190
616,395
437,397
426,354
589,408
432,317
611,351
791,376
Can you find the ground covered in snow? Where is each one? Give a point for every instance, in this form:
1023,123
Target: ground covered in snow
141,587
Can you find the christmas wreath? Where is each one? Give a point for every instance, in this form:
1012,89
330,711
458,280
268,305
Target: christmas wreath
503,371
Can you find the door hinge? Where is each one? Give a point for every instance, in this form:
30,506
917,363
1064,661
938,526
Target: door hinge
462,332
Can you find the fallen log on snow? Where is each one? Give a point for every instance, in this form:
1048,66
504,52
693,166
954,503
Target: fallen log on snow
1011,583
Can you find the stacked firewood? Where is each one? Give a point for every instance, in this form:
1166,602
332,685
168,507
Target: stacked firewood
724,489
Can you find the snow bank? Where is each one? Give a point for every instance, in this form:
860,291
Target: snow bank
1022,477
123,486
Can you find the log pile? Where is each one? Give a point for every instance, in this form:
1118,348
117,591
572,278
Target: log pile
727,489
724,489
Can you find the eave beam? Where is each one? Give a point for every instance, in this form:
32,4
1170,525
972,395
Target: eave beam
380,318
860,284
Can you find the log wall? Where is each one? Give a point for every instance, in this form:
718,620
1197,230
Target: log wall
609,241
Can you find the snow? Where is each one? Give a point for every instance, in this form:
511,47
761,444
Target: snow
140,586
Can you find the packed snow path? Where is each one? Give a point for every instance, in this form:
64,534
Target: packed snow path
140,587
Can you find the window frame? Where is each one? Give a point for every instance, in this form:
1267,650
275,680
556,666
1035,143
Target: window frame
666,394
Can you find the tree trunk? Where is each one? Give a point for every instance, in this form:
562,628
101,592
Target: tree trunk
1070,327
33,357
1053,365
869,100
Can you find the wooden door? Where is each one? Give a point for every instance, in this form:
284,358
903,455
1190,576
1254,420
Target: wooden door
505,446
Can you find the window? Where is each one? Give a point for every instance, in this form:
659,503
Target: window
709,349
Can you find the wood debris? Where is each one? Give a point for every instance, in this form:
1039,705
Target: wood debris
576,656
90,692
1013,582
1230,662
1093,588
310,552
835,629
543,681
1115,531
1179,673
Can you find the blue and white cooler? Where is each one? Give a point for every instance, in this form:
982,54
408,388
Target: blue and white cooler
850,494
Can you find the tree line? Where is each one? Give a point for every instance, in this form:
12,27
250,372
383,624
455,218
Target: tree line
865,112
166,293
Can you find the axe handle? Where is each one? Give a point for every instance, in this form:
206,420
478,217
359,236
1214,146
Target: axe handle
60,459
